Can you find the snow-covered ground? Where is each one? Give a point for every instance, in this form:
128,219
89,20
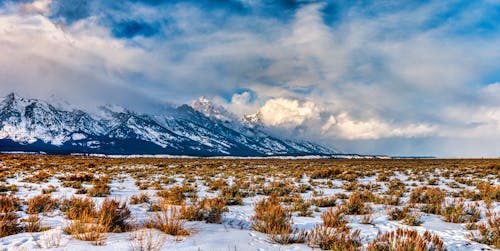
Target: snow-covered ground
235,233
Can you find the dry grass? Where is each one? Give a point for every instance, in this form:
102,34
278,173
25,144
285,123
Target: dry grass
146,240
89,225
213,209
275,178
169,221
355,205
173,196
335,218
9,224
41,204
9,203
408,240
139,199
489,232
431,198
33,224
113,215
233,195
457,212
99,189
271,218
332,239
324,201
76,207
87,228
398,213
412,219
191,213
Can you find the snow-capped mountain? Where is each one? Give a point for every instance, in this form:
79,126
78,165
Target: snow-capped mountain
199,129
207,108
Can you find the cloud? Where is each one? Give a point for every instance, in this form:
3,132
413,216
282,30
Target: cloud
337,71
39,7
80,62
284,112
292,113
345,127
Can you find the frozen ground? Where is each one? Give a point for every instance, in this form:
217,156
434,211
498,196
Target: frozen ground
235,233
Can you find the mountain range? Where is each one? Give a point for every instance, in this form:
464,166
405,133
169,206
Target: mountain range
198,129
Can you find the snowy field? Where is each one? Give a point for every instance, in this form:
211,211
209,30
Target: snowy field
79,203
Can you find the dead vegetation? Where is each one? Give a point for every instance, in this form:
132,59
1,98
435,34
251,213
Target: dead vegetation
457,191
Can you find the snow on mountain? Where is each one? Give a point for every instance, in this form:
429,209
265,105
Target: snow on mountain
207,108
199,129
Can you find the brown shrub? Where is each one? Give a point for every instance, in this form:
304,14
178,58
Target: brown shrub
139,199
427,195
406,239
113,215
87,229
412,219
76,208
173,196
215,185
33,224
335,218
324,201
488,191
9,224
9,203
271,218
41,204
327,173
233,195
332,239
431,197
169,221
457,212
398,213
191,213
99,189
213,209
355,205
489,232
81,177
302,207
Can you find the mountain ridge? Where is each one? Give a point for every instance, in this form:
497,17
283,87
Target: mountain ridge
200,129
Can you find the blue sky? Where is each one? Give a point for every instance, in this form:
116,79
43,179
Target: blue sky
386,77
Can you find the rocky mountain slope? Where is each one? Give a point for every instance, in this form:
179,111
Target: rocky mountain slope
199,129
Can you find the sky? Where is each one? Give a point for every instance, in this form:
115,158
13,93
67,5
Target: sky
372,77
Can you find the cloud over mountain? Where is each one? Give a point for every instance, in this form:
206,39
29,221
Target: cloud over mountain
367,74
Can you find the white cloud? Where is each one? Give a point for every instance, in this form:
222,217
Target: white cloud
492,91
288,112
79,62
240,103
329,124
343,126
240,99
38,7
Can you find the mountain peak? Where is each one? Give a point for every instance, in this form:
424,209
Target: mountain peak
211,110
13,101
196,129
113,108
11,97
